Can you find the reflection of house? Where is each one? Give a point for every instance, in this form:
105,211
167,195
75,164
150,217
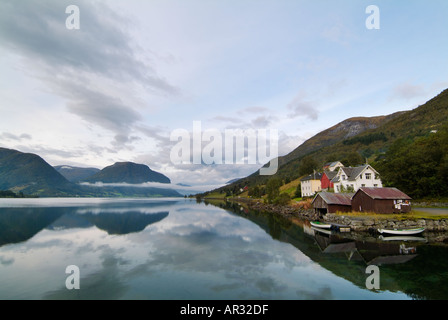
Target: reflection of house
381,200
328,202
377,253
353,178
311,184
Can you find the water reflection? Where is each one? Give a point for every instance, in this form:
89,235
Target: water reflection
21,224
376,253
187,250
407,264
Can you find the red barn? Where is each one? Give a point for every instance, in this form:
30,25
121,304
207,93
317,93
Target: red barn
325,181
381,200
329,202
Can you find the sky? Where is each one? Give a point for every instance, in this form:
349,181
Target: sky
135,71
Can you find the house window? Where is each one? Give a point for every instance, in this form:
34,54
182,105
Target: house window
344,177
363,185
368,176
375,185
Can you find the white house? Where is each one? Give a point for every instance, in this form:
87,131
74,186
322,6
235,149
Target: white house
353,178
333,166
311,184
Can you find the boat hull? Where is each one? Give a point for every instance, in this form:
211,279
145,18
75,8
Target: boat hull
401,232
320,225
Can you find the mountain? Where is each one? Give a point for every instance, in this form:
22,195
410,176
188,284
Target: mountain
76,174
355,140
30,174
127,172
233,180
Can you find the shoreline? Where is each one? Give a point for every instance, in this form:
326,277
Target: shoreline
436,228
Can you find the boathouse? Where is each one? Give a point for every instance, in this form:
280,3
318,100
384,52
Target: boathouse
381,200
329,202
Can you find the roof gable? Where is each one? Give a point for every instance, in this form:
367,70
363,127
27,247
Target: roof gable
313,176
335,198
352,173
330,174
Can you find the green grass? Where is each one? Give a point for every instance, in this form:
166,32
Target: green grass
215,195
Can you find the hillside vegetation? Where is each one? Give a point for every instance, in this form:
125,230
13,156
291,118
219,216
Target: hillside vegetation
408,149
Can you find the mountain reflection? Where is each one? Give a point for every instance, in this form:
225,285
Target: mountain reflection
20,224
124,223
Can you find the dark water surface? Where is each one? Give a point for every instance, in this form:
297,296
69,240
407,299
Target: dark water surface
179,249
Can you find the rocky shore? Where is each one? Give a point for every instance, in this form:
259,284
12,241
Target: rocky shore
356,223
286,211
366,223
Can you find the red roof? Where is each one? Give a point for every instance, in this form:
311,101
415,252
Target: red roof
384,193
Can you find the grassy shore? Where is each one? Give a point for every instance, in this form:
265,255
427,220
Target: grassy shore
305,204
413,215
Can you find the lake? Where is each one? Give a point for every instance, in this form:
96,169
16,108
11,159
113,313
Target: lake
178,249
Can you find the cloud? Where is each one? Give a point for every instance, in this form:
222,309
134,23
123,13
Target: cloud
11,136
36,30
301,106
99,70
338,33
407,91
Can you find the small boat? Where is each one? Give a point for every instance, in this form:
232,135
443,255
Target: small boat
321,230
401,231
321,225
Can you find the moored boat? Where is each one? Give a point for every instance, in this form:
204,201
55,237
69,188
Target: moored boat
401,231
321,225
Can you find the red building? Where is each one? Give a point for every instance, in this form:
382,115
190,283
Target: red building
325,181
381,200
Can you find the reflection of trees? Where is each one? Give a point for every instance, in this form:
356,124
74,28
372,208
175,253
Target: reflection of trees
421,275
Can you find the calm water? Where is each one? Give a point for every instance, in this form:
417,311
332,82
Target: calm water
180,249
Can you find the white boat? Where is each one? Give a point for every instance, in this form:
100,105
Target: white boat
323,231
401,231
402,238
321,225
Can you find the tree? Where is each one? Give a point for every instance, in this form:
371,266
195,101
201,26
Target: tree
273,189
353,159
255,192
418,168
298,193
307,165
282,200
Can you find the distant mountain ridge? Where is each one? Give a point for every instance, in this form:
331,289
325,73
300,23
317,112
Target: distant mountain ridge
127,172
76,174
31,175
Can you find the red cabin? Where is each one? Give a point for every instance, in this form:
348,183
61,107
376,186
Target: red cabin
325,181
